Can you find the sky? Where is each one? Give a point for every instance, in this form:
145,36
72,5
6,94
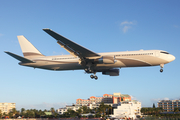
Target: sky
101,26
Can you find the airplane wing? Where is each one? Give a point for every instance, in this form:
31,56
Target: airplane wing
72,47
22,59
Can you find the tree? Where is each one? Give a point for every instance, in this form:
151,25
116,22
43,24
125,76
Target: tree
85,109
103,109
4,114
0,114
70,113
45,110
79,111
15,112
23,112
52,110
10,114
176,109
154,105
109,109
30,114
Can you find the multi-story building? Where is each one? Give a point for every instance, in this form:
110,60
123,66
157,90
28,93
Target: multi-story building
107,99
62,110
94,102
169,105
127,109
7,107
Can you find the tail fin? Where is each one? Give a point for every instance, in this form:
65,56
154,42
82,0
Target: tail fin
29,51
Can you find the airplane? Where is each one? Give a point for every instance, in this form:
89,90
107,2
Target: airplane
82,58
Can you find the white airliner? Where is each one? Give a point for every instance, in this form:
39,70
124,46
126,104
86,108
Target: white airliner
82,58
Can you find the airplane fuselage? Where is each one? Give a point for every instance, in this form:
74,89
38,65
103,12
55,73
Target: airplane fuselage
121,59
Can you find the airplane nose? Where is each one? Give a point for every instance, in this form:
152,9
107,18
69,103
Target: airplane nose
171,58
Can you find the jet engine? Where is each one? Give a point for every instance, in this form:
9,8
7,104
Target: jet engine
111,72
105,60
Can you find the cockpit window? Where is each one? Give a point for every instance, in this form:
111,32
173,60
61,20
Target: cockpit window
164,52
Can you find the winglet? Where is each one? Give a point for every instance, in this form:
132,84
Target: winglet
46,29
22,59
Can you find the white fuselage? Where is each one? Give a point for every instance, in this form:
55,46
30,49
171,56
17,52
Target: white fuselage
122,59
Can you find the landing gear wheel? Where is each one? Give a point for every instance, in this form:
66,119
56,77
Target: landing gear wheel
161,70
86,70
95,77
92,76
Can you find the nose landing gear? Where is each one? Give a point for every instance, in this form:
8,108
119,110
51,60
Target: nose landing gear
161,65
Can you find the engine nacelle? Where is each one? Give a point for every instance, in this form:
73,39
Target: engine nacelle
105,60
111,72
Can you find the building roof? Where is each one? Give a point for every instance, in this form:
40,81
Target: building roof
124,95
169,101
48,113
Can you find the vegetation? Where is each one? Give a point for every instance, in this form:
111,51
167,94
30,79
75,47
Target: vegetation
0,114
32,113
151,111
102,111
156,113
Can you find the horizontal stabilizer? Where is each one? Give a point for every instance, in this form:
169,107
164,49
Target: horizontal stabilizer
22,59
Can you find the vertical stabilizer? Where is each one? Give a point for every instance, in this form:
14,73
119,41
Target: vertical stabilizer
29,51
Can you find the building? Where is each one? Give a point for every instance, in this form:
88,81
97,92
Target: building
48,113
62,110
7,107
65,109
94,102
107,99
168,105
127,109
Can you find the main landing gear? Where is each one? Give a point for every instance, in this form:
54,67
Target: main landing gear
94,76
161,65
88,70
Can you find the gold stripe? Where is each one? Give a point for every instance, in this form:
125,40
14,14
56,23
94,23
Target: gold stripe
133,63
32,54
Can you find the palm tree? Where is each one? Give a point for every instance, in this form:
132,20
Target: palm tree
0,114
103,108
85,109
144,111
79,111
109,107
45,110
23,111
14,111
52,110
10,114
